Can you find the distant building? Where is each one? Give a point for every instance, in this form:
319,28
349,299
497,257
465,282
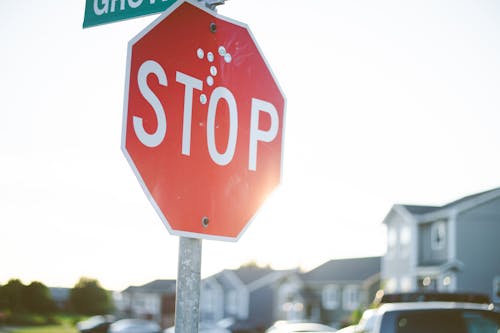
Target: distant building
245,295
154,300
453,248
329,293
253,298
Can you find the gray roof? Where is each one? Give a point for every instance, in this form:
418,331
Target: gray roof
469,197
354,269
419,210
156,286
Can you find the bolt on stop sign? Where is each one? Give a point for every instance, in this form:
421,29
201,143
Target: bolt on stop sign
203,122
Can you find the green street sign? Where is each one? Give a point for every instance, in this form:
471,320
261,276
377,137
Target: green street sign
99,12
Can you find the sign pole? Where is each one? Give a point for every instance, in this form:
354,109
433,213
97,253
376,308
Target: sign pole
187,298
159,165
187,301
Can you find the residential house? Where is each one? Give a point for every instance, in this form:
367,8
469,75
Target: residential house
154,300
329,293
452,248
245,295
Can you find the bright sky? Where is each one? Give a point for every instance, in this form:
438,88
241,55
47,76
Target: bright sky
388,102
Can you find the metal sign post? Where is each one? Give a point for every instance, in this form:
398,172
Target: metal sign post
141,148
187,302
209,60
188,288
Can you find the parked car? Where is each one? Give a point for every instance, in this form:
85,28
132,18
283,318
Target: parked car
348,329
203,328
95,324
430,313
298,326
134,326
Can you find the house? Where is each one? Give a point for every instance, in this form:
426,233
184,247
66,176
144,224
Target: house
154,300
244,295
253,298
452,248
329,293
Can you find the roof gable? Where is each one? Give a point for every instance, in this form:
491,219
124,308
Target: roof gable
417,210
428,212
472,197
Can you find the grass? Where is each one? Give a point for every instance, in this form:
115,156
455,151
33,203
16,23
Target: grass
47,329
66,326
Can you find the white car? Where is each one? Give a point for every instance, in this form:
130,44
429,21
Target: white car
295,327
203,328
432,315
134,326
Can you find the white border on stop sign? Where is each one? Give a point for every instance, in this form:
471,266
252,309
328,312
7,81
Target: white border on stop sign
125,116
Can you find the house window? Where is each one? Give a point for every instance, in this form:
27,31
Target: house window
406,284
231,302
330,297
293,310
207,301
404,241
438,235
391,238
351,297
391,285
405,235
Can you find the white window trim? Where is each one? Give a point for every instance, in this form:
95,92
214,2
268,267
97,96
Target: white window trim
392,240
347,297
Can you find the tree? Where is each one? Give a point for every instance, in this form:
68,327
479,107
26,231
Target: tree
89,298
25,305
37,299
11,296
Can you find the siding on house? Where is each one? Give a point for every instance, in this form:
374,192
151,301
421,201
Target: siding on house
452,248
400,256
154,300
330,292
245,295
478,231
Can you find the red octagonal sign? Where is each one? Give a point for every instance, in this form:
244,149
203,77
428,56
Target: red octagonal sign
203,122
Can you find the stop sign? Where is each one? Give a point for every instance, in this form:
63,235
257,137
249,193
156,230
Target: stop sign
203,122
